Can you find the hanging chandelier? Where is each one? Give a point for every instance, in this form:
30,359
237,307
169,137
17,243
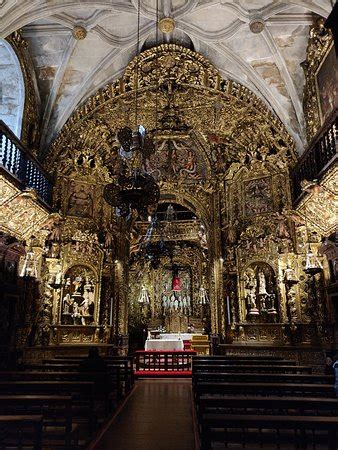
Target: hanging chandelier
153,248
135,192
135,189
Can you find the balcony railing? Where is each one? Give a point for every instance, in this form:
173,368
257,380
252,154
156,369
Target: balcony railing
320,155
23,166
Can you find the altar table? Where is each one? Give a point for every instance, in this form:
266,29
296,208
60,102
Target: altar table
164,344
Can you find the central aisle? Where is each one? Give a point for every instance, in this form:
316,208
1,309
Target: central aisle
157,416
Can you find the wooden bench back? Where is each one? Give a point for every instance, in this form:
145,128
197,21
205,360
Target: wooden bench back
276,368
262,377
264,389
21,431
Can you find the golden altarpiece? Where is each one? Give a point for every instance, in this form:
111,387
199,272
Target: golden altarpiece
222,155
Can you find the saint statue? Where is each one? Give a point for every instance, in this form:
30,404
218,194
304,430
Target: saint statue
77,286
177,285
262,283
66,304
251,299
80,201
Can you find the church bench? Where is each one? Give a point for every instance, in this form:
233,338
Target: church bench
263,389
125,364
58,427
268,405
107,382
262,377
241,368
108,387
241,357
125,376
18,431
296,431
51,367
82,392
233,360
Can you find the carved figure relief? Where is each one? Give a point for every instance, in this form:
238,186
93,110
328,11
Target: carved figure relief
78,301
259,284
258,196
80,202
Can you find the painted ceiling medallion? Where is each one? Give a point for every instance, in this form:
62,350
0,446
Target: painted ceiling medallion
257,26
79,33
167,25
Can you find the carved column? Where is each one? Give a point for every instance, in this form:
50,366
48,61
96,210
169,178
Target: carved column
216,266
120,305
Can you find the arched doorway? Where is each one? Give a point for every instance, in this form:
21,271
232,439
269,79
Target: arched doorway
168,281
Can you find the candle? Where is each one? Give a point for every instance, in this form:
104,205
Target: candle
228,310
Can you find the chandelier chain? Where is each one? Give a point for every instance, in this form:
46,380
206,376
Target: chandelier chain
137,61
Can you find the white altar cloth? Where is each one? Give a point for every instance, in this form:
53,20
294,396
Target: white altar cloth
183,336
164,344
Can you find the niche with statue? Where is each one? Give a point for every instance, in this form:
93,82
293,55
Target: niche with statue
260,293
79,296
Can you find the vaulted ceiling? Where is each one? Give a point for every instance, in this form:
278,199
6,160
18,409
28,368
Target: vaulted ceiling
259,43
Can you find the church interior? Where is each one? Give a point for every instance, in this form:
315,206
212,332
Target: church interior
168,251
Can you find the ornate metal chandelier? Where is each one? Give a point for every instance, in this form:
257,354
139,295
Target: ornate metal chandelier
152,249
135,189
135,192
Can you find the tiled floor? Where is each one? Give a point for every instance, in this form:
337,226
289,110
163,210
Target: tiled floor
157,416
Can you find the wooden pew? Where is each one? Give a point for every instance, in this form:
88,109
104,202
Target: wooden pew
83,394
125,364
56,411
237,362
241,368
50,367
263,378
105,383
232,404
264,389
266,429
19,431
246,359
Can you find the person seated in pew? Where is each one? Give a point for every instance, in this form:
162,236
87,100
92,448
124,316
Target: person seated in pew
329,370
94,362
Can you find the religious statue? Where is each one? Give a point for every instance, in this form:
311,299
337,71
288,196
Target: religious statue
252,307
77,286
80,201
262,283
66,304
282,229
232,232
58,276
176,282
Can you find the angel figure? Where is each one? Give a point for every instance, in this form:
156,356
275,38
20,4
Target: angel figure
282,229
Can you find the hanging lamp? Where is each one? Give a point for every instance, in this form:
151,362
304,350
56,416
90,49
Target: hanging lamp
135,190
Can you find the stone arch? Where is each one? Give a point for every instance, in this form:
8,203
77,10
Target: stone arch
12,89
187,200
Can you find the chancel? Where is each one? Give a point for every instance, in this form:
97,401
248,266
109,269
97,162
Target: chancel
168,224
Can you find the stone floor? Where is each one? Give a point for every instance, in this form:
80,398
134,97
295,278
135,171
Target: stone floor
157,416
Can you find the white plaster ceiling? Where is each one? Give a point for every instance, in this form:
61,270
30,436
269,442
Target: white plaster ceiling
70,70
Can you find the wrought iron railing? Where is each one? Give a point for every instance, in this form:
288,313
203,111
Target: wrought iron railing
319,156
16,159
